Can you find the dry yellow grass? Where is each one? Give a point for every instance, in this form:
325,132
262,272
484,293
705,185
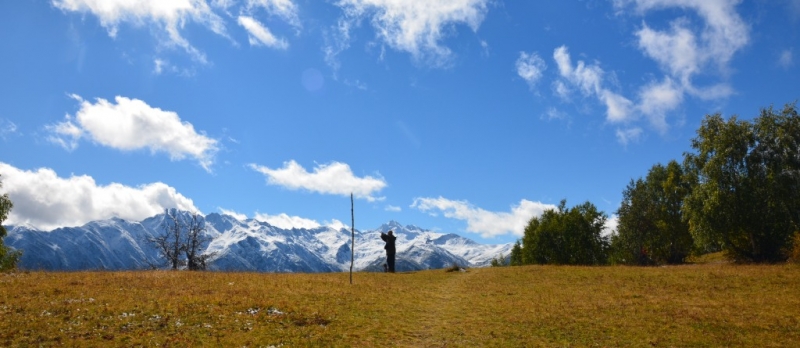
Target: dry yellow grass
696,305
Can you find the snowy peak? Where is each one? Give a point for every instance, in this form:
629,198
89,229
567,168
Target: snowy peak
250,245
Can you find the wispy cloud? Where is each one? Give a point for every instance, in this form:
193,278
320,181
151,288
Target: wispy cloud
629,135
167,18
131,124
786,59
47,201
392,208
335,178
285,9
7,128
486,223
260,35
588,79
530,67
416,27
685,50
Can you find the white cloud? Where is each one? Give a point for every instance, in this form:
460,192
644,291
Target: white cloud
486,223
657,99
235,215
611,225
285,9
45,200
7,128
786,60
554,114
393,208
131,124
337,225
260,35
686,50
589,80
416,27
530,67
334,178
629,135
167,17
286,222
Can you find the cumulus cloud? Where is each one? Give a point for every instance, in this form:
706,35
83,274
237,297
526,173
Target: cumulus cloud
47,201
131,124
335,178
530,67
167,17
588,79
416,27
260,35
486,223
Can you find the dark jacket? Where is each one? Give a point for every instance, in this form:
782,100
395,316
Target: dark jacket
389,239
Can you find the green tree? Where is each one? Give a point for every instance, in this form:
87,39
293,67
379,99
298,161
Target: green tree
651,229
565,236
746,200
516,254
8,257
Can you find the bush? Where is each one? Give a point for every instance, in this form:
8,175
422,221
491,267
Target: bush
500,261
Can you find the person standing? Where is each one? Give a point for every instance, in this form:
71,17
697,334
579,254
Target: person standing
390,249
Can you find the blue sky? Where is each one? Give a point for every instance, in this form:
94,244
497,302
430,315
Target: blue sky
466,116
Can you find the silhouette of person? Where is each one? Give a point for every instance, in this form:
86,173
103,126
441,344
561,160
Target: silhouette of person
390,250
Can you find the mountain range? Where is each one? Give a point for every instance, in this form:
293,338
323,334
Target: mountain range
245,245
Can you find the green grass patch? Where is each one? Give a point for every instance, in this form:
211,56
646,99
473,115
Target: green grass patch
694,305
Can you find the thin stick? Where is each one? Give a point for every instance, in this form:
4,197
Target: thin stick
353,237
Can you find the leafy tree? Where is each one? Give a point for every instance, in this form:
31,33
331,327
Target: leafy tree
182,241
747,195
516,254
565,236
651,229
8,257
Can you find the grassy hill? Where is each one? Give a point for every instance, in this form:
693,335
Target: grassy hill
694,305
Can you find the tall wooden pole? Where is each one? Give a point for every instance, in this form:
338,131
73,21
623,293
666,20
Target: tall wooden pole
352,237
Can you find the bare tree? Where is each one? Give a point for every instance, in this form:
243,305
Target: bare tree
169,243
182,241
196,239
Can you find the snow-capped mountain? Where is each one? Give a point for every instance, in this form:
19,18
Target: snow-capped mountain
249,245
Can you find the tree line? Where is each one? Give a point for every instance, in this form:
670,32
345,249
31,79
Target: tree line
737,191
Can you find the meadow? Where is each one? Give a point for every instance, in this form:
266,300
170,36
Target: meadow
692,305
